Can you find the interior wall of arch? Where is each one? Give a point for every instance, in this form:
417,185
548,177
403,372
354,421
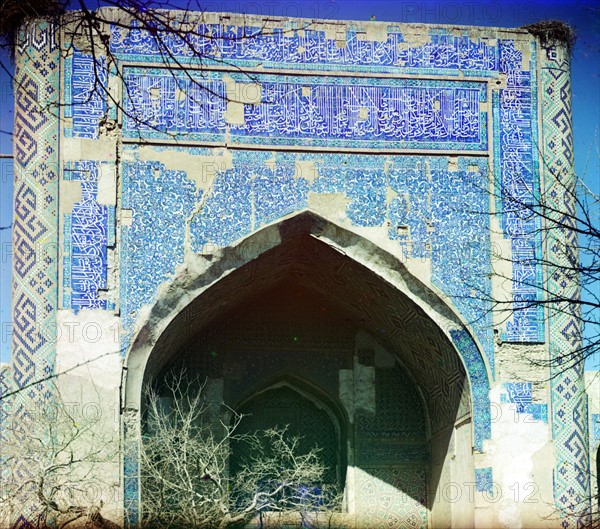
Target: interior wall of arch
389,448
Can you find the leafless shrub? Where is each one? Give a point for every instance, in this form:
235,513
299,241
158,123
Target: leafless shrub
51,468
186,479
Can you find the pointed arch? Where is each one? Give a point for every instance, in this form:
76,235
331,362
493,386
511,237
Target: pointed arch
370,286
209,286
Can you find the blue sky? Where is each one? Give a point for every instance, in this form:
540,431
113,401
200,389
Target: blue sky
585,77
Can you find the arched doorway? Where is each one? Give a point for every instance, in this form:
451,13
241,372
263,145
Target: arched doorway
286,409
373,338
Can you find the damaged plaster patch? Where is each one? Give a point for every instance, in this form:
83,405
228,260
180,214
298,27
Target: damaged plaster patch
330,205
101,150
346,391
390,195
126,217
98,331
415,39
200,169
357,389
364,387
523,362
238,95
502,272
516,444
377,32
452,166
114,88
307,170
235,113
107,185
383,358
331,30
70,194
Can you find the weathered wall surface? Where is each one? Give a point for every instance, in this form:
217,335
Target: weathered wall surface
410,137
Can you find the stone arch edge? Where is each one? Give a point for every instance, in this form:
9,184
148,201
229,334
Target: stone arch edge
198,274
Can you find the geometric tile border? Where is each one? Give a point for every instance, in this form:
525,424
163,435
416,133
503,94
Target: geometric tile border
569,399
34,294
35,230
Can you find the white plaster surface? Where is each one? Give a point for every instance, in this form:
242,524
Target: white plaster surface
516,440
107,184
88,346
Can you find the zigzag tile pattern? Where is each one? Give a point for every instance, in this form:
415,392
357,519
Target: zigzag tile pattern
35,222
35,228
5,388
569,399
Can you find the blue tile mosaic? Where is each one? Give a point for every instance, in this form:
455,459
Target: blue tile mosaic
480,388
88,232
519,393
538,411
227,212
253,193
444,54
483,480
86,79
153,245
277,193
308,111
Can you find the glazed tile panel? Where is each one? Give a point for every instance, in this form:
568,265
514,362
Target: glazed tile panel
344,112
483,480
160,200
517,152
447,224
520,395
307,111
307,48
85,95
89,230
